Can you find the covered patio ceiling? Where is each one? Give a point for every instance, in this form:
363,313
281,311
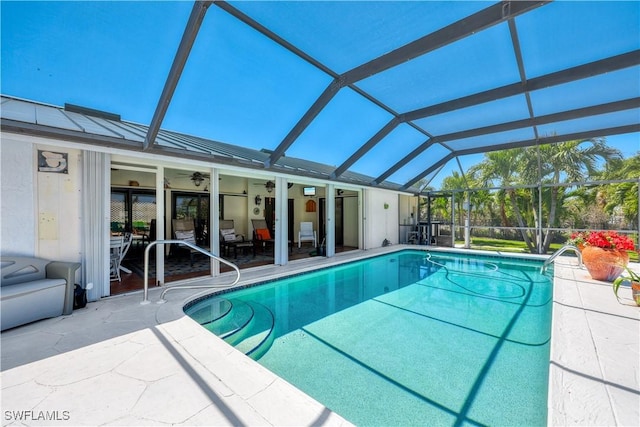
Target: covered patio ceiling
504,83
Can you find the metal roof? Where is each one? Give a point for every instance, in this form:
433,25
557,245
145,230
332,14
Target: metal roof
396,89
24,116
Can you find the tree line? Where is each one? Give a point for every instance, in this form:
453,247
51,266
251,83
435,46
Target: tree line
532,189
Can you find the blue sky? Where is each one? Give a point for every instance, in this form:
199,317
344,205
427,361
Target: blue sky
242,89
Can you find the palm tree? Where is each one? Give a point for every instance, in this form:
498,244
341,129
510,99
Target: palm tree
482,206
498,168
623,195
570,161
503,168
454,182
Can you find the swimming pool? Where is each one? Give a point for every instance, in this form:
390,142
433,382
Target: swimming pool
409,338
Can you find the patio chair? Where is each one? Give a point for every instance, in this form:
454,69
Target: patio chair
140,233
184,229
307,234
119,246
262,235
228,236
114,257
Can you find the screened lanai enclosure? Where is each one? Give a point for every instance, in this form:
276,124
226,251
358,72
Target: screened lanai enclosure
396,90
535,218
508,104
399,90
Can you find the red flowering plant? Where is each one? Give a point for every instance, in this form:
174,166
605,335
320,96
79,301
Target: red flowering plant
604,253
602,239
576,239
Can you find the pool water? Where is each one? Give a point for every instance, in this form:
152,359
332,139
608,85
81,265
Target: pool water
410,338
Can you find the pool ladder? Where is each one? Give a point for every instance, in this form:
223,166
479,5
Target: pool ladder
560,252
145,298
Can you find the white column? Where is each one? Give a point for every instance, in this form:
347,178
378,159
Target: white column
281,251
467,221
364,212
160,226
214,219
453,219
331,220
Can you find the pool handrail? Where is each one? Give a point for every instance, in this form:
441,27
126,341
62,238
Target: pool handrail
560,252
145,297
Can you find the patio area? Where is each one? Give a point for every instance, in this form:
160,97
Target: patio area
117,362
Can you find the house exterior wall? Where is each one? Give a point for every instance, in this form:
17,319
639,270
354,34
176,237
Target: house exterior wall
40,211
380,222
17,198
255,187
59,206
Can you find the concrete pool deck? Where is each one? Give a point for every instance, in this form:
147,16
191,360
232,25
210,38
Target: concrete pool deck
117,362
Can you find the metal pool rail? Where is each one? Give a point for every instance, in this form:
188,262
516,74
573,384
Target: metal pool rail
560,252
145,298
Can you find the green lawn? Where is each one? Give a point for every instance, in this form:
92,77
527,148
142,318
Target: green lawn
489,244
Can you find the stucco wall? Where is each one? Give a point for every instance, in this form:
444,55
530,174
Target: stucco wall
380,223
17,201
40,212
58,206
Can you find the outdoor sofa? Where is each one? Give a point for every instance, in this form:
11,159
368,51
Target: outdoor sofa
34,289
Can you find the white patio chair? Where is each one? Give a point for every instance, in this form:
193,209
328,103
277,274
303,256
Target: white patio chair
116,244
307,234
119,247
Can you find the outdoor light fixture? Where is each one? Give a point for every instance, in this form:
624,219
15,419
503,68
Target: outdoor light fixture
258,200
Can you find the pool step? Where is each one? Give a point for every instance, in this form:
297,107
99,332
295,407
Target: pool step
258,336
248,326
209,310
236,319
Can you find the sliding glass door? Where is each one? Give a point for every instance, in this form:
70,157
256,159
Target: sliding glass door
132,210
193,206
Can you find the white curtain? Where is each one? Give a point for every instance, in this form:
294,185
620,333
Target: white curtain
96,215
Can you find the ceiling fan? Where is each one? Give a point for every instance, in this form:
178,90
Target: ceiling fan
198,177
270,185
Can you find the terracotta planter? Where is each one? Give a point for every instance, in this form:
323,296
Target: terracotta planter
635,292
604,264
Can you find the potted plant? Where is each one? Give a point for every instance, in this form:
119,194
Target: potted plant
577,239
604,253
634,279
